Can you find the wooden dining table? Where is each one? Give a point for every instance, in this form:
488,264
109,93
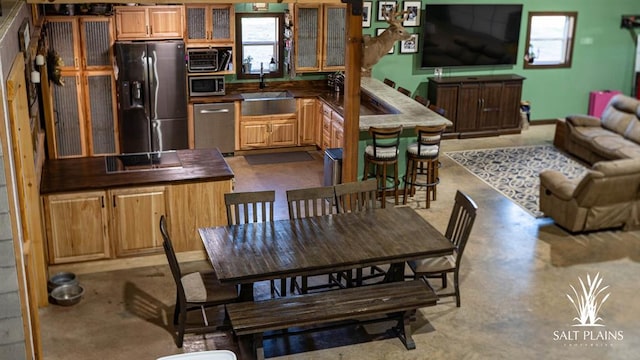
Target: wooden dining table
248,253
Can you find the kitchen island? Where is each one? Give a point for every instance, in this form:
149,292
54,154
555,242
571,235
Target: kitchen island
93,213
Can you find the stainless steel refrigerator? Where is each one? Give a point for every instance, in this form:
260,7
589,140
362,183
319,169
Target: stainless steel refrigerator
152,96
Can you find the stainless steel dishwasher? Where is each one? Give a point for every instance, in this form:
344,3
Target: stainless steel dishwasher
214,126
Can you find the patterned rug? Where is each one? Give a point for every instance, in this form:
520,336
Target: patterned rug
514,171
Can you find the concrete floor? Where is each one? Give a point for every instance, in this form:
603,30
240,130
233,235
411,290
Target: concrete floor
515,277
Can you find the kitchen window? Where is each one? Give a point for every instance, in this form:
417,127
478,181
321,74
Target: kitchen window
550,37
259,41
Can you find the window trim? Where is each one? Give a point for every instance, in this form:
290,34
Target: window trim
239,46
573,15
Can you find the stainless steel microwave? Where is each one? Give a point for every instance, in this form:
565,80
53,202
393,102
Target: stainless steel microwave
205,85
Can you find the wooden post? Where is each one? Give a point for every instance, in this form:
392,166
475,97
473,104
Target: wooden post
352,96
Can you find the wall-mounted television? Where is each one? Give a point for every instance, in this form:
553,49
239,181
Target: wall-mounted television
470,34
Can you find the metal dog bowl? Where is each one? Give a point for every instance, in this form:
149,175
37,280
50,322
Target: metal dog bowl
61,278
67,295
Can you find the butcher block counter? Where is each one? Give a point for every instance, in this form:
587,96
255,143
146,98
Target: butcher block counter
92,213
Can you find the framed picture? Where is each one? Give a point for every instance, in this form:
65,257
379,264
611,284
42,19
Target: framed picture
385,7
380,31
24,36
366,14
409,46
413,13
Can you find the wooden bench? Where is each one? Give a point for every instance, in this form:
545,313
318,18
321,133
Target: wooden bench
395,299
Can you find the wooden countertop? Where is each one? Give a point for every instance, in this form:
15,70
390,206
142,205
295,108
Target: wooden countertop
90,173
409,112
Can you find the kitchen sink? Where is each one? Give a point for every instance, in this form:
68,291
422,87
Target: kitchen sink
267,95
268,102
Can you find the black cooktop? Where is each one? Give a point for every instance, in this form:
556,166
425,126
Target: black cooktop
142,161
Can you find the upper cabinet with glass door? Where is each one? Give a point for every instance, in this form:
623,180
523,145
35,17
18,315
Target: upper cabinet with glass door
209,25
319,37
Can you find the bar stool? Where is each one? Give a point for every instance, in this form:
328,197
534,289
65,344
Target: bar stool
404,91
422,100
422,159
389,82
382,153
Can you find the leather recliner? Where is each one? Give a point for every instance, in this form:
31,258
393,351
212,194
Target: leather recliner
608,196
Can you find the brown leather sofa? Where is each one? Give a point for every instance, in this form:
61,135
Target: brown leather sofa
616,135
608,196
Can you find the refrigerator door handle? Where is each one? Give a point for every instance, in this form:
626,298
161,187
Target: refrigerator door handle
156,136
153,85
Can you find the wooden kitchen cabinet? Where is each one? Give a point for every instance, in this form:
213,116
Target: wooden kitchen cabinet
82,120
337,130
136,214
325,113
308,124
192,206
149,22
319,37
332,128
77,226
208,25
267,131
479,105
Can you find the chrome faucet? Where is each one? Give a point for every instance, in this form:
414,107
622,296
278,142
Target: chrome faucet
262,84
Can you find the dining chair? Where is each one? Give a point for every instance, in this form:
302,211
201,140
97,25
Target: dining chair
358,196
311,202
460,223
404,91
380,154
422,159
389,82
248,207
251,207
194,291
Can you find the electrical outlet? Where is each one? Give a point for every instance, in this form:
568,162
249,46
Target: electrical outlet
437,72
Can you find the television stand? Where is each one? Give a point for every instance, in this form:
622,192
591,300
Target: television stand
478,105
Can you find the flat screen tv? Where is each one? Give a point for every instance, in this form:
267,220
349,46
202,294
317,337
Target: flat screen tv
470,35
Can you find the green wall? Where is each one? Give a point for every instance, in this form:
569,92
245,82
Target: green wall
603,57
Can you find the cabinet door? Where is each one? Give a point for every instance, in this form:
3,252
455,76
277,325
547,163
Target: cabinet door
132,23
490,102
468,105
64,40
254,134
77,227
326,126
69,131
222,24
307,42
192,206
510,114
100,103
283,132
307,121
97,42
446,97
197,24
337,131
136,214
165,22
334,43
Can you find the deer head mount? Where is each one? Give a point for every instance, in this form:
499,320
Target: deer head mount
374,48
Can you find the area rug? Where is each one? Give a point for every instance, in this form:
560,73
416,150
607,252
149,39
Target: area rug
514,171
277,158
